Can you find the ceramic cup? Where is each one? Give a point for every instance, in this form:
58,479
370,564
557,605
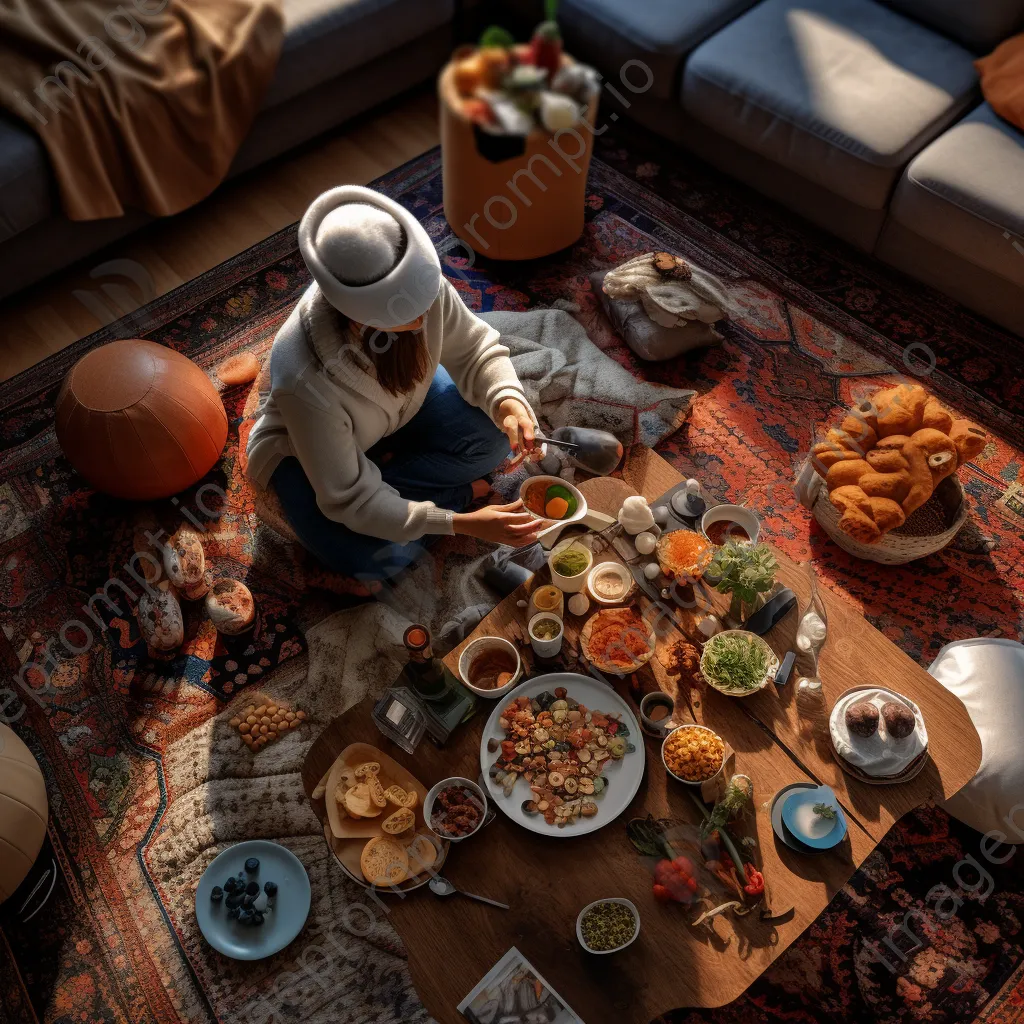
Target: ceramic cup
546,648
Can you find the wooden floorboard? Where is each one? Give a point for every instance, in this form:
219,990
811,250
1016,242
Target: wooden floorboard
47,317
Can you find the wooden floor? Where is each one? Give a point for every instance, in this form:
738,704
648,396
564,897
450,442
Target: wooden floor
47,317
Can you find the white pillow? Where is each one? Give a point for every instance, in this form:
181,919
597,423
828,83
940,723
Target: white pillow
988,676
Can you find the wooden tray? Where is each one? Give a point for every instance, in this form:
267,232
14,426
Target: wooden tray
391,774
611,668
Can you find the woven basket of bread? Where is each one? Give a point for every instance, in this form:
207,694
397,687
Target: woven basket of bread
925,531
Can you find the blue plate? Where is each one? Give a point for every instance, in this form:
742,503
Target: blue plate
808,798
284,919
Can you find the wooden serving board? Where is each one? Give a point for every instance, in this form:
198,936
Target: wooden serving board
348,852
391,774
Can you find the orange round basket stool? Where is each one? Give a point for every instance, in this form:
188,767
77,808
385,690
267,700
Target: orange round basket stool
139,420
23,811
512,197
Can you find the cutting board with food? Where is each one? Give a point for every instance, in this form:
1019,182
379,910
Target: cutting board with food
368,794
400,862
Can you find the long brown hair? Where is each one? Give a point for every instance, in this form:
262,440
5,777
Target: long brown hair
400,359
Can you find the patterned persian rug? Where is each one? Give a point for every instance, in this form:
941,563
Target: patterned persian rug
148,782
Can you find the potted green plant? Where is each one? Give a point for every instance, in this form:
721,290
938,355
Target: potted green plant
747,571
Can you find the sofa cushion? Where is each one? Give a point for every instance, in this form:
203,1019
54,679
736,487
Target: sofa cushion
988,677
965,192
325,38
978,24
844,92
26,184
608,33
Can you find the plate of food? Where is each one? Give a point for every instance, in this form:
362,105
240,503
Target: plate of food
372,810
617,641
253,900
562,755
551,497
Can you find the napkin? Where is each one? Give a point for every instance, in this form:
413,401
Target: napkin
879,754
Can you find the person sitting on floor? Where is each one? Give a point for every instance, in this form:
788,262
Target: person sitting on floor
390,401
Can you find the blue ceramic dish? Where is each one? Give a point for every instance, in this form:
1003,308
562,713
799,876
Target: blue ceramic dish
797,814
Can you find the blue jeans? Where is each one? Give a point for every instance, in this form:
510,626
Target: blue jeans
435,457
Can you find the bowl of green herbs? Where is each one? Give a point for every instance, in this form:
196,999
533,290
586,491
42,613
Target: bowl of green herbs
738,663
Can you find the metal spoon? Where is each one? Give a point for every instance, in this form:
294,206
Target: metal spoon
442,887
569,446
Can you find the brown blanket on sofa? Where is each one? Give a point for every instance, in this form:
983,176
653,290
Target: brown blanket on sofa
141,103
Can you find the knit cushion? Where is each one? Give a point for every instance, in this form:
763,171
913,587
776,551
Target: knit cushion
988,676
23,811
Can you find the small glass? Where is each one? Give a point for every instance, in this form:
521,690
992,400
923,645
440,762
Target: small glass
398,716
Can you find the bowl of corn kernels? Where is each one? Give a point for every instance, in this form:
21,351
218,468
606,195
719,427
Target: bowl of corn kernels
693,754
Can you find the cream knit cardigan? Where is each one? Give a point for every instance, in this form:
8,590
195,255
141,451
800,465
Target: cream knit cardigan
326,408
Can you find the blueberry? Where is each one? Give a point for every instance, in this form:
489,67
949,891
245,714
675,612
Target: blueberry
248,901
270,888
252,865
234,912
233,901
216,894
245,917
252,888
230,885
257,917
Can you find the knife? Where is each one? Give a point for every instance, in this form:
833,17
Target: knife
769,614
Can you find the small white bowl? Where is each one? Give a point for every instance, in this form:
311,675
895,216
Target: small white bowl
546,648
679,778
570,584
733,514
621,571
581,502
590,906
455,780
476,648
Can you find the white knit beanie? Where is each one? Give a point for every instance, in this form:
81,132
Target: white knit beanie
370,256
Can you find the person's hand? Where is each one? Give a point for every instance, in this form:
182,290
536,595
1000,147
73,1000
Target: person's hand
500,524
517,423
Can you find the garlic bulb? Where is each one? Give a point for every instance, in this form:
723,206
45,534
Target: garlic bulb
635,516
579,604
710,625
645,542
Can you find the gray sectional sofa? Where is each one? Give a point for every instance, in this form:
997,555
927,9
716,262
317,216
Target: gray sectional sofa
864,116
340,57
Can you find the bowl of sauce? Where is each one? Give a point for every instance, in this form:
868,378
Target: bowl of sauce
730,522
490,666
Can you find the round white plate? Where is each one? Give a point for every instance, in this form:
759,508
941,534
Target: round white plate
283,922
623,778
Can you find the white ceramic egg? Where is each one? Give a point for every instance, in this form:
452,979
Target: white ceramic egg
645,542
579,604
652,570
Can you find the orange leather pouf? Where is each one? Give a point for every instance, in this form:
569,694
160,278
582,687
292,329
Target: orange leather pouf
528,205
23,811
139,420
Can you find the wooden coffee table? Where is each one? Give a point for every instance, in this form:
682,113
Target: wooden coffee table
547,881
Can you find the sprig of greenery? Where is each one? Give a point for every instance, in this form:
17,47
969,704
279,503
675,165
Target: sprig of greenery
736,661
738,794
495,35
743,569
826,811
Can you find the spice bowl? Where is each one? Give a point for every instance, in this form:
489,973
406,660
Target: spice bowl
495,647
431,800
569,584
615,902
546,647
601,585
688,731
